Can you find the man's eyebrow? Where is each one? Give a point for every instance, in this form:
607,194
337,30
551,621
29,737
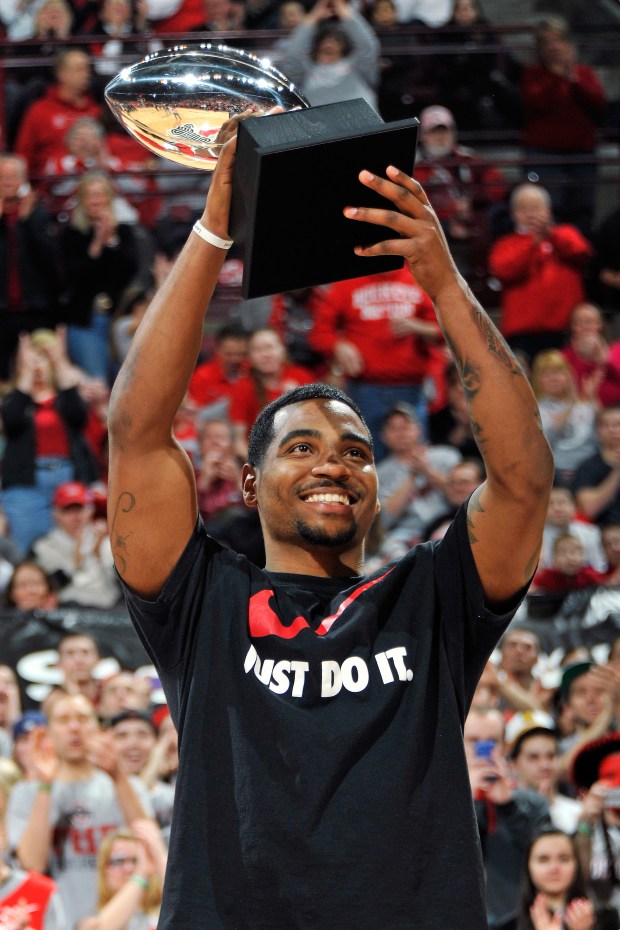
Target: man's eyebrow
316,434
297,433
356,437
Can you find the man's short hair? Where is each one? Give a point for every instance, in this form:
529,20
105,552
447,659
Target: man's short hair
230,331
77,634
401,409
262,432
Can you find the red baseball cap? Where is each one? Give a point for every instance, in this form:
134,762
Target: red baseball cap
71,492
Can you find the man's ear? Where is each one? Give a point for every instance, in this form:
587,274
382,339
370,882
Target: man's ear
378,507
248,486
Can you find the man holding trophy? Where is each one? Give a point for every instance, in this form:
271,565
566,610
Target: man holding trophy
322,781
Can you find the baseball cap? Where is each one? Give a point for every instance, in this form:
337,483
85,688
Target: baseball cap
571,673
71,492
131,714
526,723
600,758
29,721
434,116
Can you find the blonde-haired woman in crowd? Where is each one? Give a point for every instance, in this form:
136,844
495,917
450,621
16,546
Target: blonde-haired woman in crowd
131,867
567,420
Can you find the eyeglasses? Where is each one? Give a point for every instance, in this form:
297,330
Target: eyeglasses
118,862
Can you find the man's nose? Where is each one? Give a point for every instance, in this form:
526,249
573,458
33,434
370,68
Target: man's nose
332,464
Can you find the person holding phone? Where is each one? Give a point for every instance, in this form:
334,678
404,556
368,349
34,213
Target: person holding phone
507,816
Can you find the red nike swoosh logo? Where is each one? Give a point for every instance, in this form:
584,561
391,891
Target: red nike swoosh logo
263,620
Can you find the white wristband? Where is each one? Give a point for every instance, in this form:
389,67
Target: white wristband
210,237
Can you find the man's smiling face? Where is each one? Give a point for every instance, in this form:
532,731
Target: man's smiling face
317,486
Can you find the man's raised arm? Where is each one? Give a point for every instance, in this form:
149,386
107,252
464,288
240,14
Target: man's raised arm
507,513
152,505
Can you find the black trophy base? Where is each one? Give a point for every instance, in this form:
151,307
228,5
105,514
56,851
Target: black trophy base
294,174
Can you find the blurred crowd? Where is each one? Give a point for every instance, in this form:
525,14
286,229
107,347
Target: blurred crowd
90,225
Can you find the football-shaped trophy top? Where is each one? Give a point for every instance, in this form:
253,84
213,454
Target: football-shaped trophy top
175,101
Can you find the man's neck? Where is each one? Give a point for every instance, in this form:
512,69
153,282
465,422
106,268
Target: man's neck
78,770
323,563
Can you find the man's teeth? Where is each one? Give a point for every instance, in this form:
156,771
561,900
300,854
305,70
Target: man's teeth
327,499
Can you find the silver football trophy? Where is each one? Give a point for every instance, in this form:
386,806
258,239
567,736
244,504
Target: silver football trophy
294,171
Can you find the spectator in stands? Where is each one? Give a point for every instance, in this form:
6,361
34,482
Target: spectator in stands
76,553
519,688
333,55
146,756
30,588
100,256
270,375
29,267
606,262
380,333
81,793
588,695
540,267
412,480
554,891
562,103
597,481
450,425
43,127
477,78
568,421
119,693
212,383
561,521
462,480
595,362
131,867
218,476
462,187
119,20
44,419
507,816
78,656
534,755
88,148
569,570
595,772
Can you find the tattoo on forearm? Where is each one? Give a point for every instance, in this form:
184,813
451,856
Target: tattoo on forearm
125,503
470,376
495,341
474,506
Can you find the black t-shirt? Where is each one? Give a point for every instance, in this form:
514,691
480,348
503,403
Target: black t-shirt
322,781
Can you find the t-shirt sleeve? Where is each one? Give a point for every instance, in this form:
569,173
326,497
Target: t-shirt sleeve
470,629
18,812
165,625
55,918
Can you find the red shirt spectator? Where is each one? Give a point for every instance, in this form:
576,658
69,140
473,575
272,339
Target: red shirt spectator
214,380
270,376
46,121
540,267
375,314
